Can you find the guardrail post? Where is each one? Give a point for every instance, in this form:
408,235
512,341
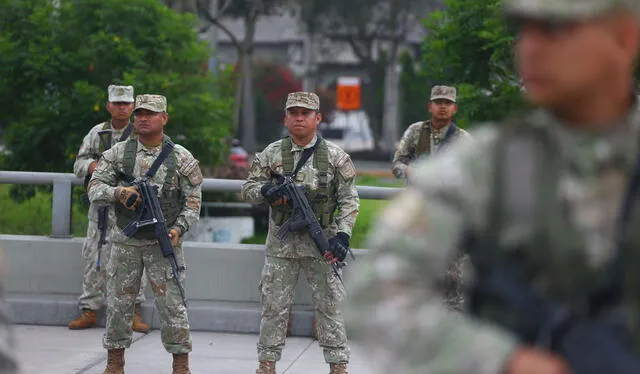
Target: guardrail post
61,209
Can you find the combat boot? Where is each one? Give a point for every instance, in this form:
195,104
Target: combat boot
138,324
266,367
86,320
115,362
181,363
338,369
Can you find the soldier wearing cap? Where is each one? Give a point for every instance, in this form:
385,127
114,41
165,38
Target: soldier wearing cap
546,204
428,137
179,180
328,175
95,256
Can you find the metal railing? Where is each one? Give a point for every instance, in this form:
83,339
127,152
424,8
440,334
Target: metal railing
63,182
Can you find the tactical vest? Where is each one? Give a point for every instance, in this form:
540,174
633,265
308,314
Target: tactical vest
319,198
171,199
424,141
106,140
549,247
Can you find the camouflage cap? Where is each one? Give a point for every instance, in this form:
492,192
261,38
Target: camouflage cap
443,92
565,9
154,103
307,100
120,94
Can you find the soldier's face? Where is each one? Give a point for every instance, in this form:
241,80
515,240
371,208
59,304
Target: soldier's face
562,62
442,110
147,122
120,110
302,122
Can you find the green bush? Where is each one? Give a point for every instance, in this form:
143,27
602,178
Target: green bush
56,64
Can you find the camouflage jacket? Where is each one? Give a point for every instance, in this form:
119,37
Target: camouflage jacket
90,149
406,153
394,298
341,175
187,179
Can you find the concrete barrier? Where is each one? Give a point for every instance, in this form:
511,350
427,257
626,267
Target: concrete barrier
44,280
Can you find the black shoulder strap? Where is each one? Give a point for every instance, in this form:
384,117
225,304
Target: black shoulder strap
126,133
166,151
306,154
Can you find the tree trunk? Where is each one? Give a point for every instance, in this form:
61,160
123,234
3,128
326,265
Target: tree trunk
239,84
248,105
390,113
310,69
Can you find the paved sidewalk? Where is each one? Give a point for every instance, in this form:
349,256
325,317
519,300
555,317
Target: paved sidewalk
58,350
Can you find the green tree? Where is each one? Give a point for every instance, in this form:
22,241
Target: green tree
469,46
57,61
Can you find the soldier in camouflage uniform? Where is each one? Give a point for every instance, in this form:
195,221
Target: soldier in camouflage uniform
179,181
428,138
102,137
329,176
543,192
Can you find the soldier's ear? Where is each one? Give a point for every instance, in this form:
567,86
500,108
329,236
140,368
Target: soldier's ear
165,118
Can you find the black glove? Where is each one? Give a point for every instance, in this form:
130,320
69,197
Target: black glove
339,246
272,192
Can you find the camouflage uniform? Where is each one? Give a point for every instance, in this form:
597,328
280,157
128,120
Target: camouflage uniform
284,259
394,299
130,255
407,152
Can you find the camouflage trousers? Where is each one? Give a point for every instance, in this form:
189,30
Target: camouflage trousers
124,274
279,278
93,280
453,289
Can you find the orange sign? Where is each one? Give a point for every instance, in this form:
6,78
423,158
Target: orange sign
348,93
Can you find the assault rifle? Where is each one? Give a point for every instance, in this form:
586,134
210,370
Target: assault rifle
589,343
303,217
150,213
103,216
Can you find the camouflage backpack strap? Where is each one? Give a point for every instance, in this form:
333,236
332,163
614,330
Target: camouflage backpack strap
321,199
129,157
105,137
424,141
287,157
170,163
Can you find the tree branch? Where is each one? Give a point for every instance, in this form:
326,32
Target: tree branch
203,11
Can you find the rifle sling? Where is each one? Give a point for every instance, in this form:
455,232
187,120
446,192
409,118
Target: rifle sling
306,154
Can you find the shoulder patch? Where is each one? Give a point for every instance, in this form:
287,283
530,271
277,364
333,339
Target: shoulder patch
346,168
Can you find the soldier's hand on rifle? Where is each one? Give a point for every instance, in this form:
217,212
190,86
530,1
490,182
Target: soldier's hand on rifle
339,248
92,167
129,197
274,194
174,235
532,361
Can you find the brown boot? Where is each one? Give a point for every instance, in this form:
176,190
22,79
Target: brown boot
266,367
338,369
86,320
138,324
115,362
181,363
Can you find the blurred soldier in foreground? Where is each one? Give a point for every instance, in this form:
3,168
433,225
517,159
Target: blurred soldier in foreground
97,246
8,357
328,176
543,205
178,178
428,137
